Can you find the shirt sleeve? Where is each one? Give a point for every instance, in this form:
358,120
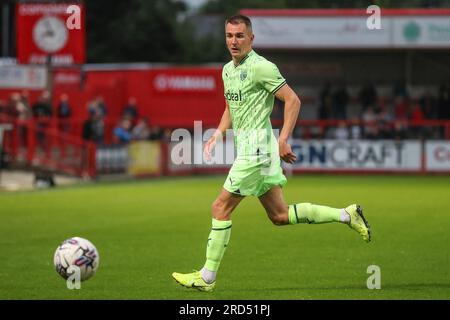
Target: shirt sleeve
268,76
223,73
224,76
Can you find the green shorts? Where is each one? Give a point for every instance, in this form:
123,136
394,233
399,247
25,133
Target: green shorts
254,175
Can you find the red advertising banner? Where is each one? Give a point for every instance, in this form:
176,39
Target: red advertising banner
50,29
181,96
186,81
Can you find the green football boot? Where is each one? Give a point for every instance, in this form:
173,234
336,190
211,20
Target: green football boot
193,280
358,222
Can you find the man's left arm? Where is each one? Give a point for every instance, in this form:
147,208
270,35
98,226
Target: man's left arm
291,110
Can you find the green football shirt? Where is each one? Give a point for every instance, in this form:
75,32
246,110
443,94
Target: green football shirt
249,90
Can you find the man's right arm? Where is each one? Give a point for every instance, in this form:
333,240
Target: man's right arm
225,123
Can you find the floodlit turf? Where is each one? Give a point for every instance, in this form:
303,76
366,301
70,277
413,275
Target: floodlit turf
146,230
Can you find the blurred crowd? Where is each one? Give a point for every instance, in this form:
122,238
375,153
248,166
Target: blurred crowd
374,116
130,125
393,116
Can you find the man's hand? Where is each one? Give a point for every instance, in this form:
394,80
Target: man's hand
209,147
286,153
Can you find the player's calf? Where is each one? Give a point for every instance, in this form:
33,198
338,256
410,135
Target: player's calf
219,210
278,218
224,205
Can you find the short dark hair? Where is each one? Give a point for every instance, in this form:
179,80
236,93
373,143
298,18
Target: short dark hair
239,18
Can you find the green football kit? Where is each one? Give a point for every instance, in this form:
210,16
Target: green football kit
249,90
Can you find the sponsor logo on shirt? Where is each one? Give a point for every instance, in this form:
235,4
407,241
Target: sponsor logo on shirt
233,96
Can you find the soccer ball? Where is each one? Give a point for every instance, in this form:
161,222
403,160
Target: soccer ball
76,252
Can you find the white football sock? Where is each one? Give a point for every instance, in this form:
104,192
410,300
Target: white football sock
208,276
345,217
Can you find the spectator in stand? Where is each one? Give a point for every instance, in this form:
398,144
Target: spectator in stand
87,133
401,107
141,131
325,93
25,99
341,132
444,101
166,135
130,111
94,127
98,128
368,96
355,129
22,113
326,103
102,105
384,120
42,108
19,109
340,102
97,106
370,123
416,117
64,112
156,133
11,107
121,133
428,104
93,108
400,131
326,109
42,112
384,130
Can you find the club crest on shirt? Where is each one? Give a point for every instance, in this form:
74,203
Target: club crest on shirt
243,75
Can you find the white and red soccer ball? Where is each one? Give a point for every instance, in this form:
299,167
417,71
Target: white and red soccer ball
76,252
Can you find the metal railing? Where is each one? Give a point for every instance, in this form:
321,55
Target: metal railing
38,144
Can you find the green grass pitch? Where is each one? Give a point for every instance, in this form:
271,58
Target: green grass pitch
146,230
